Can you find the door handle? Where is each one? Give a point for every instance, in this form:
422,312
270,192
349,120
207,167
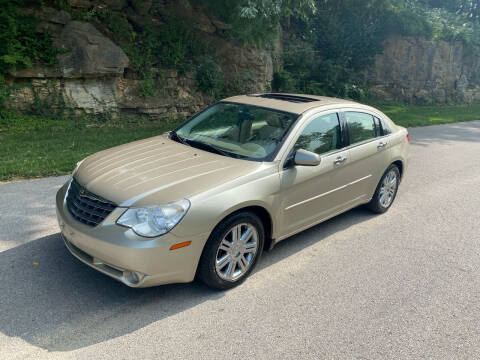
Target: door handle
339,160
381,145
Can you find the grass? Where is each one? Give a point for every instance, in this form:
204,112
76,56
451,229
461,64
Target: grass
33,146
411,115
53,147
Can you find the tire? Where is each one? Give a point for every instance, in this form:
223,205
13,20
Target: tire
378,204
225,263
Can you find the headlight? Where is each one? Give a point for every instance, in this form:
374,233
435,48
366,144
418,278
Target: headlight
154,221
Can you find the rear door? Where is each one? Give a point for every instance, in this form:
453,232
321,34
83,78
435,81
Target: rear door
369,152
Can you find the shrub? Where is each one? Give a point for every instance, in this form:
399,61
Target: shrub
21,46
210,78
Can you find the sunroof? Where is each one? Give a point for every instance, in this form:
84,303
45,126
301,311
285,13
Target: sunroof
289,98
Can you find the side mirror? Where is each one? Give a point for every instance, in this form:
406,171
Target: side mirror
306,158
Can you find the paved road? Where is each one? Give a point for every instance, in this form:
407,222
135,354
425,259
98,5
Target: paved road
402,285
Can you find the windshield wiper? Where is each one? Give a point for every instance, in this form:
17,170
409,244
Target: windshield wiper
203,146
208,147
178,138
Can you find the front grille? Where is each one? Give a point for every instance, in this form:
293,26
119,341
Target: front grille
86,207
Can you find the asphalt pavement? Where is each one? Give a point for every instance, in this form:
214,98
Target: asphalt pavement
405,284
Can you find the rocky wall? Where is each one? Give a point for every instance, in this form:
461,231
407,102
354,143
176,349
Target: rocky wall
93,75
423,71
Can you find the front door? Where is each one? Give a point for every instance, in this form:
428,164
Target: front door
310,193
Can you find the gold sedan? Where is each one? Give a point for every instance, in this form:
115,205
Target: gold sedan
206,199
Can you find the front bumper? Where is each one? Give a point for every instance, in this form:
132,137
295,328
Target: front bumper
121,254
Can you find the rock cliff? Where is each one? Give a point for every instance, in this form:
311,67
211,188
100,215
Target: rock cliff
423,71
94,75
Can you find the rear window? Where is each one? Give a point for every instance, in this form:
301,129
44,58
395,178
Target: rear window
361,127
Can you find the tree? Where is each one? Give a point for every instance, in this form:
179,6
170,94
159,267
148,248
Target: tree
468,8
471,8
256,21
276,8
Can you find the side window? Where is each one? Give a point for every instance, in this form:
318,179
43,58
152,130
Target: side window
361,127
381,128
386,129
322,135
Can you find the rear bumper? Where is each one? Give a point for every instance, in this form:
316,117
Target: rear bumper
121,254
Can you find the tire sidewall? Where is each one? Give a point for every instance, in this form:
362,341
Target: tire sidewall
207,269
376,206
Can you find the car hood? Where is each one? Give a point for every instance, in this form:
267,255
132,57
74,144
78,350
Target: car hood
157,171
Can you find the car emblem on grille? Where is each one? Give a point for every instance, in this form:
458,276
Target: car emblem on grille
82,191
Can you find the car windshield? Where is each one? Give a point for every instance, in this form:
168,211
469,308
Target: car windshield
237,130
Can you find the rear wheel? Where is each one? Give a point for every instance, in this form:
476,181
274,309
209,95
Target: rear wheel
386,190
232,251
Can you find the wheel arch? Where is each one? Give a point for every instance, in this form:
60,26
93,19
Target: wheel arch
263,214
401,167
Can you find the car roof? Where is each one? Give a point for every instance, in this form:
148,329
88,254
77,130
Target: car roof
293,103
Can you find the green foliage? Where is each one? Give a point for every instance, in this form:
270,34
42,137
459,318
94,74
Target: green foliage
42,146
255,22
350,38
445,19
172,45
452,26
250,25
84,14
311,71
120,27
411,115
210,78
60,4
5,91
333,42
49,104
175,45
468,9
136,3
21,46
331,50
242,82
409,22
149,86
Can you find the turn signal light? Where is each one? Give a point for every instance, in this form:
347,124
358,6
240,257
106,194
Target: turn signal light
180,245
408,137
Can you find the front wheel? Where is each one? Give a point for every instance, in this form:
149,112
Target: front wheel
232,251
386,191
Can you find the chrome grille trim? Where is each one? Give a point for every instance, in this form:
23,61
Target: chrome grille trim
86,207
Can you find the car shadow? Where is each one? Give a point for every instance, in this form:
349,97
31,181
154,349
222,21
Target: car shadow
51,300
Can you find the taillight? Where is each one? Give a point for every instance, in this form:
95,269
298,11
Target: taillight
408,137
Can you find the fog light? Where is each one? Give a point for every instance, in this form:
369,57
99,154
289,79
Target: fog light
133,277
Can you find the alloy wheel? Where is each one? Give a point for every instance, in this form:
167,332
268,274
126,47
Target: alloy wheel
388,189
236,252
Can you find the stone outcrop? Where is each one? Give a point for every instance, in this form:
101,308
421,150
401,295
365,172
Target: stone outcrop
89,53
92,74
423,71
